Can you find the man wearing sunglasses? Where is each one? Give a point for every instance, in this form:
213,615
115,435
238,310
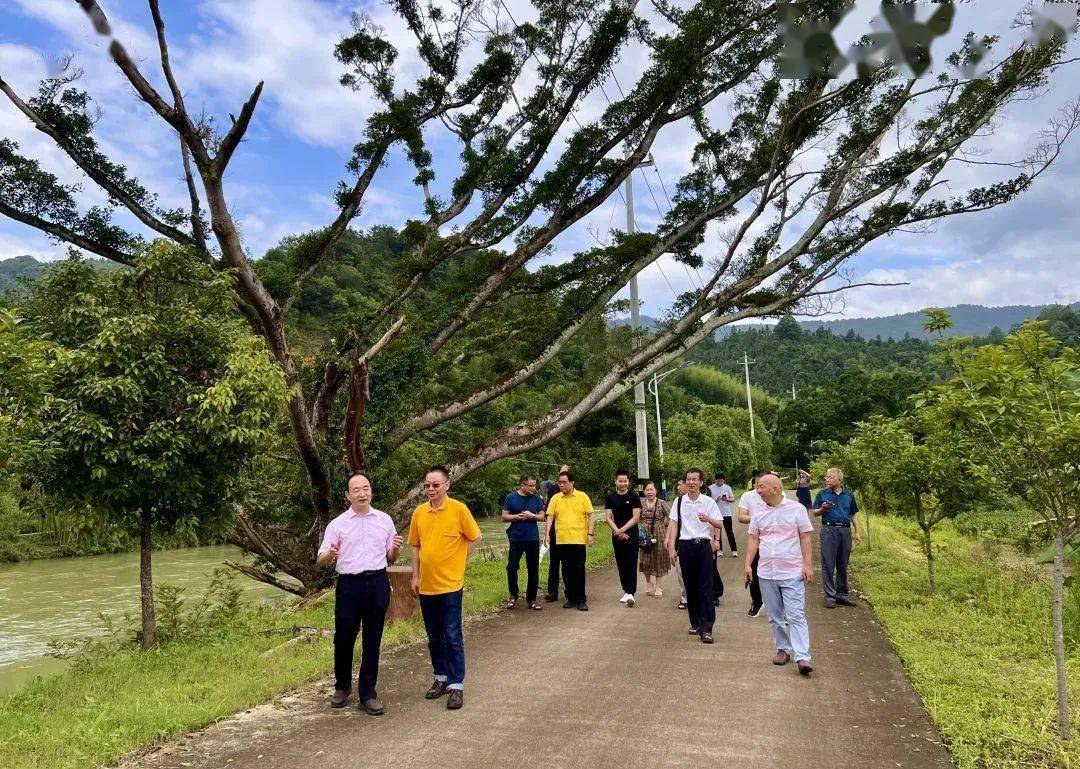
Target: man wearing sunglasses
442,533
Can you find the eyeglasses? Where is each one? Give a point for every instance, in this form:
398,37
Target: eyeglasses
432,485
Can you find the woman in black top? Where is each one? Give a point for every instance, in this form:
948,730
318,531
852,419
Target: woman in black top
623,510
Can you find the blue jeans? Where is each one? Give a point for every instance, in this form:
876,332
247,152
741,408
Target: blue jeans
785,601
442,620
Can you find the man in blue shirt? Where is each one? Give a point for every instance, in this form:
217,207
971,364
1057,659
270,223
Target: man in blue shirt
838,510
523,509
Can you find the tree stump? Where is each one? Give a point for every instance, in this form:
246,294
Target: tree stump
403,604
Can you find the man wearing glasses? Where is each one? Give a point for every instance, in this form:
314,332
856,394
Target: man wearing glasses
570,516
442,533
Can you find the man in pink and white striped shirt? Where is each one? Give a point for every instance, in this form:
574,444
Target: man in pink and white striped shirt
780,528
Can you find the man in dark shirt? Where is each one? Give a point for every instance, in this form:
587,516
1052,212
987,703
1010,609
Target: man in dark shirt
522,509
838,510
623,511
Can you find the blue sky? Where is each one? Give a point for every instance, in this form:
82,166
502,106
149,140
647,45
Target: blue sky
281,179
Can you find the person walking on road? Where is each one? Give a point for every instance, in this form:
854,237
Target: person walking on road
690,536
838,510
780,532
570,518
552,593
744,517
360,542
655,561
523,509
442,533
680,489
725,499
802,489
622,508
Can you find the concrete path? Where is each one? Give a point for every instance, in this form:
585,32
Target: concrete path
613,687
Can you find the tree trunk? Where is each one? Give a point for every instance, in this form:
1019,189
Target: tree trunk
868,546
146,582
929,547
1063,718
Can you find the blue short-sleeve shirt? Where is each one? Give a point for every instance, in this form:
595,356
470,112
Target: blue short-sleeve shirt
844,508
523,531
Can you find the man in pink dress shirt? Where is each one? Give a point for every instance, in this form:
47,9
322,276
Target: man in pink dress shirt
360,543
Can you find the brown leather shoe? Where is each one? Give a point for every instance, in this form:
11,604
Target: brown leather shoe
438,689
804,668
782,658
372,707
455,700
339,698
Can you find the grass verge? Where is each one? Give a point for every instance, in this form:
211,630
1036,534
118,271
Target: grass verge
978,651
104,708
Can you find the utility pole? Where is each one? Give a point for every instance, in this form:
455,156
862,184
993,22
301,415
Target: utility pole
793,391
749,398
641,427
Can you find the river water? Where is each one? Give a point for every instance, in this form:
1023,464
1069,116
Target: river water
60,598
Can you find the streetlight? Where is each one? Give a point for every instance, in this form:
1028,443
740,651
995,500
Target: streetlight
654,388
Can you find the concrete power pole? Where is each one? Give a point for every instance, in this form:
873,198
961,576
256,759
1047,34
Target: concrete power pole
641,426
749,398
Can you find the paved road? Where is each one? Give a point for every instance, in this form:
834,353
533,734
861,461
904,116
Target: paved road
614,687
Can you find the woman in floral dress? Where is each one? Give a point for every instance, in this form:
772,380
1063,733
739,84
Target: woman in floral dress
654,563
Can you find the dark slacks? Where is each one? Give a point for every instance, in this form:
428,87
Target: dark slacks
697,564
729,529
360,607
835,552
442,620
626,557
531,551
572,558
553,567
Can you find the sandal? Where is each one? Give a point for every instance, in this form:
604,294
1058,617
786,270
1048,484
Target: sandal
535,606
659,593
682,604
511,603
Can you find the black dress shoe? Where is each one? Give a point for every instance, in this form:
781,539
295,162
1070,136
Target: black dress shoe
455,700
551,598
583,606
339,698
438,689
569,605
842,601
372,707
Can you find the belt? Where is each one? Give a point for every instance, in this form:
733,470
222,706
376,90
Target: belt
837,525
363,574
697,539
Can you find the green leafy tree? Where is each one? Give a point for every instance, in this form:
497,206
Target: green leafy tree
156,395
1014,408
436,353
716,437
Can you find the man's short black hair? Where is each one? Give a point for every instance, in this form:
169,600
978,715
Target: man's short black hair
526,478
438,469
568,475
360,473
622,472
719,475
698,470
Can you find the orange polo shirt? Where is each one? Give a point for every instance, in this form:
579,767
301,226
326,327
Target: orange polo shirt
443,536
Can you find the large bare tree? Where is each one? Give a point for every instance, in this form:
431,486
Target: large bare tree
789,179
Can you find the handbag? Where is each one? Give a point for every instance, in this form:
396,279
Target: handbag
646,541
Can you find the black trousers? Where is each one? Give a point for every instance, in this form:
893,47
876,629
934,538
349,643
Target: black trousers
360,606
717,582
531,551
697,564
626,555
729,529
755,586
553,567
572,558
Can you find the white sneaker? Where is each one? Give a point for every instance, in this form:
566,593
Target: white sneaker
625,598
630,602
734,553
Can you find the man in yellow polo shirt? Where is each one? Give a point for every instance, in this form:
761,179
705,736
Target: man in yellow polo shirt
571,513
442,533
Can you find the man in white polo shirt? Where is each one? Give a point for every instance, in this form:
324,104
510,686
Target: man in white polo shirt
780,528
689,535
